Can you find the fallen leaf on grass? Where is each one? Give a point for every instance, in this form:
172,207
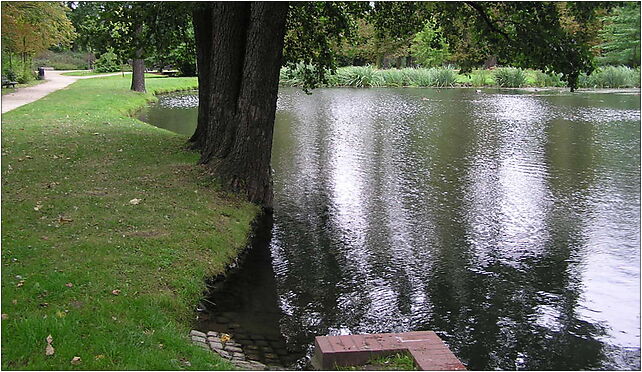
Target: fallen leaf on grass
63,219
5,316
28,157
60,314
115,292
69,285
37,207
14,301
99,356
76,361
44,304
49,350
135,201
20,283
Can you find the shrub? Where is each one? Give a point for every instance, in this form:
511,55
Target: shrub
510,77
10,75
358,76
394,77
66,60
26,76
108,62
542,79
432,77
443,77
611,77
481,78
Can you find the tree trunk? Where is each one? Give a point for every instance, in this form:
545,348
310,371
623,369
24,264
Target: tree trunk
242,75
138,72
138,66
203,33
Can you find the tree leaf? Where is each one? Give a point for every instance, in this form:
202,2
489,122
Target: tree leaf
76,361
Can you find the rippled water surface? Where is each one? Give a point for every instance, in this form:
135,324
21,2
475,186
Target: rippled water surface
508,222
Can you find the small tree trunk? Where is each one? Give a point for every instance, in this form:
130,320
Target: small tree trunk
138,65
138,72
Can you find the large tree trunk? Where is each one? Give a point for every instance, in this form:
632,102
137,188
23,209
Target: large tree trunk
203,33
242,75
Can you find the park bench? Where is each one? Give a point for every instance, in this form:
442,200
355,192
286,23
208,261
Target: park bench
7,83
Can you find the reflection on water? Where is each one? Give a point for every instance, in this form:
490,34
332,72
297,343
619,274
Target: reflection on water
509,223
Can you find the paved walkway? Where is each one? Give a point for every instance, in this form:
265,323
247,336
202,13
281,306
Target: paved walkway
54,80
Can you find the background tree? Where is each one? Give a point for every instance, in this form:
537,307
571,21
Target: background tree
621,36
429,46
32,27
135,30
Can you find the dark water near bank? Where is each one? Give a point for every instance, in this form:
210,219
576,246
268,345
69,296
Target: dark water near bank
508,222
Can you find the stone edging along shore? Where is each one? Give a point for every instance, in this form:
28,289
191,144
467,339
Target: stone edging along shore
227,348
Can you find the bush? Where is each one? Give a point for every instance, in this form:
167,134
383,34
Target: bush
510,77
542,79
10,75
432,77
26,76
108,62
67,60
443,77
394,78
480,78
611,77
358,76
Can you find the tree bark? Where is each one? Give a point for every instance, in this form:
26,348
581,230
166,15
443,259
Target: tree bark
242,76
203,32
138,73
138,66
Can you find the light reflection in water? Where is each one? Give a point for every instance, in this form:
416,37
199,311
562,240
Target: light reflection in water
465,221
507,222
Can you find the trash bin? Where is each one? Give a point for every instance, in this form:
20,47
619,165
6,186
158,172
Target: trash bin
41,73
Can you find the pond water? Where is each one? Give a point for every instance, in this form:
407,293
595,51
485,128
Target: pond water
506,221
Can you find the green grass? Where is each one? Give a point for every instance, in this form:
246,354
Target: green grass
396,362
18,86
71,163
85,73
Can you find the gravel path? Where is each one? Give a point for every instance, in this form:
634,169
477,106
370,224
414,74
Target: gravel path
54,80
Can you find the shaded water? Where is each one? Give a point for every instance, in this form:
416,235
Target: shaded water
507,221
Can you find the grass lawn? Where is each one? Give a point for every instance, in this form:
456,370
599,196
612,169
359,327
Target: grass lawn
85,73
113,282
29,84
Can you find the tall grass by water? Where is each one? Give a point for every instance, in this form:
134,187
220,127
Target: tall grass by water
611,77
505,77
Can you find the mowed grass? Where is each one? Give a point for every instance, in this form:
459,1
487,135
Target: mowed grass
112,282
85,73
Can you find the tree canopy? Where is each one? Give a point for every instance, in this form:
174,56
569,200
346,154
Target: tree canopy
621,36
32,27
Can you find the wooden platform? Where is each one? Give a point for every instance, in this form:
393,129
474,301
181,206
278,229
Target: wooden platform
427,349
